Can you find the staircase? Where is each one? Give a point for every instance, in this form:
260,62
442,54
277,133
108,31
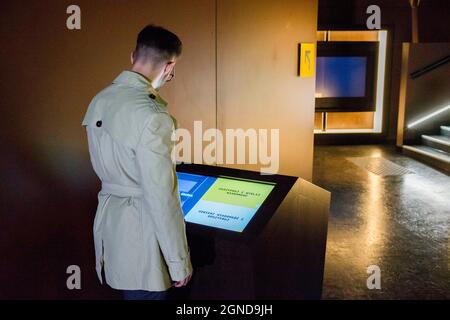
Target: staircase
434,150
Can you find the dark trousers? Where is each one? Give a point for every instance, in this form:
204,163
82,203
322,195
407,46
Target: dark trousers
145,295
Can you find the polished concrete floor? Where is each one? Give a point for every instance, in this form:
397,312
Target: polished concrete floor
399,223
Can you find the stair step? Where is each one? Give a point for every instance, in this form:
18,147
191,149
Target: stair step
430,155
445,131
438,142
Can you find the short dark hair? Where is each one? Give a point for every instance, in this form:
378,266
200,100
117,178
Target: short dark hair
157,44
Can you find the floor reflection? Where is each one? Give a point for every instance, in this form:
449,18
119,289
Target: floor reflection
400,223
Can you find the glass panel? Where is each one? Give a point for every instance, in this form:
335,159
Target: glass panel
318,116
350,120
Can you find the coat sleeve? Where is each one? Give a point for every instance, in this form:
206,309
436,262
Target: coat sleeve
161,198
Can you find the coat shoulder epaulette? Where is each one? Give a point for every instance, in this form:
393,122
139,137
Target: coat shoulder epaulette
157,105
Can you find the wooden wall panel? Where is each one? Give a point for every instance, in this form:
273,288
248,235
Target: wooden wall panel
257,82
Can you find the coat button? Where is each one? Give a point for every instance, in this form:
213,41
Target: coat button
152,96
99,123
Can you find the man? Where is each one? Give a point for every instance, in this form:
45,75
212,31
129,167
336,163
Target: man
139,230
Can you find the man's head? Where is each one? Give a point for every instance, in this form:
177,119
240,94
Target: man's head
155,55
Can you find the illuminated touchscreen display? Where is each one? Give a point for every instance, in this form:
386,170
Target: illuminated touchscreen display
221,202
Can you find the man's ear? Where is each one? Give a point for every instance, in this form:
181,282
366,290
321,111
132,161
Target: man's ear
168,68
132,57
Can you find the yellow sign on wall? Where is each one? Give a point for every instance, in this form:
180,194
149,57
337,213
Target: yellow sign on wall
307,59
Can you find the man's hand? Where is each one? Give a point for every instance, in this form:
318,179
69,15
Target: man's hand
182,283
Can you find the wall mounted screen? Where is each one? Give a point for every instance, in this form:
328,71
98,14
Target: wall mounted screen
341,77
346,76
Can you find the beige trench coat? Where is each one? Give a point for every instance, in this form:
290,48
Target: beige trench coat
139,229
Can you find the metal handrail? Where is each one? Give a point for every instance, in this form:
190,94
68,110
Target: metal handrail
430,67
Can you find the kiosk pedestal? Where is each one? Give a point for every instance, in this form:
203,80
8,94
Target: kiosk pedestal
280,256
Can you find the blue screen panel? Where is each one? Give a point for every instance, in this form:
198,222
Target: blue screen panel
339,77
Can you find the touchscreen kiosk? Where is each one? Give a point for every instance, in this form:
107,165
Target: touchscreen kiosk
221,202
252,236
228,200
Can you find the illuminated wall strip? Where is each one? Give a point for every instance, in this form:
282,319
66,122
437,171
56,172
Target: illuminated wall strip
381,70
431,115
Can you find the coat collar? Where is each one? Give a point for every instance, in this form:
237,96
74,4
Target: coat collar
137,80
